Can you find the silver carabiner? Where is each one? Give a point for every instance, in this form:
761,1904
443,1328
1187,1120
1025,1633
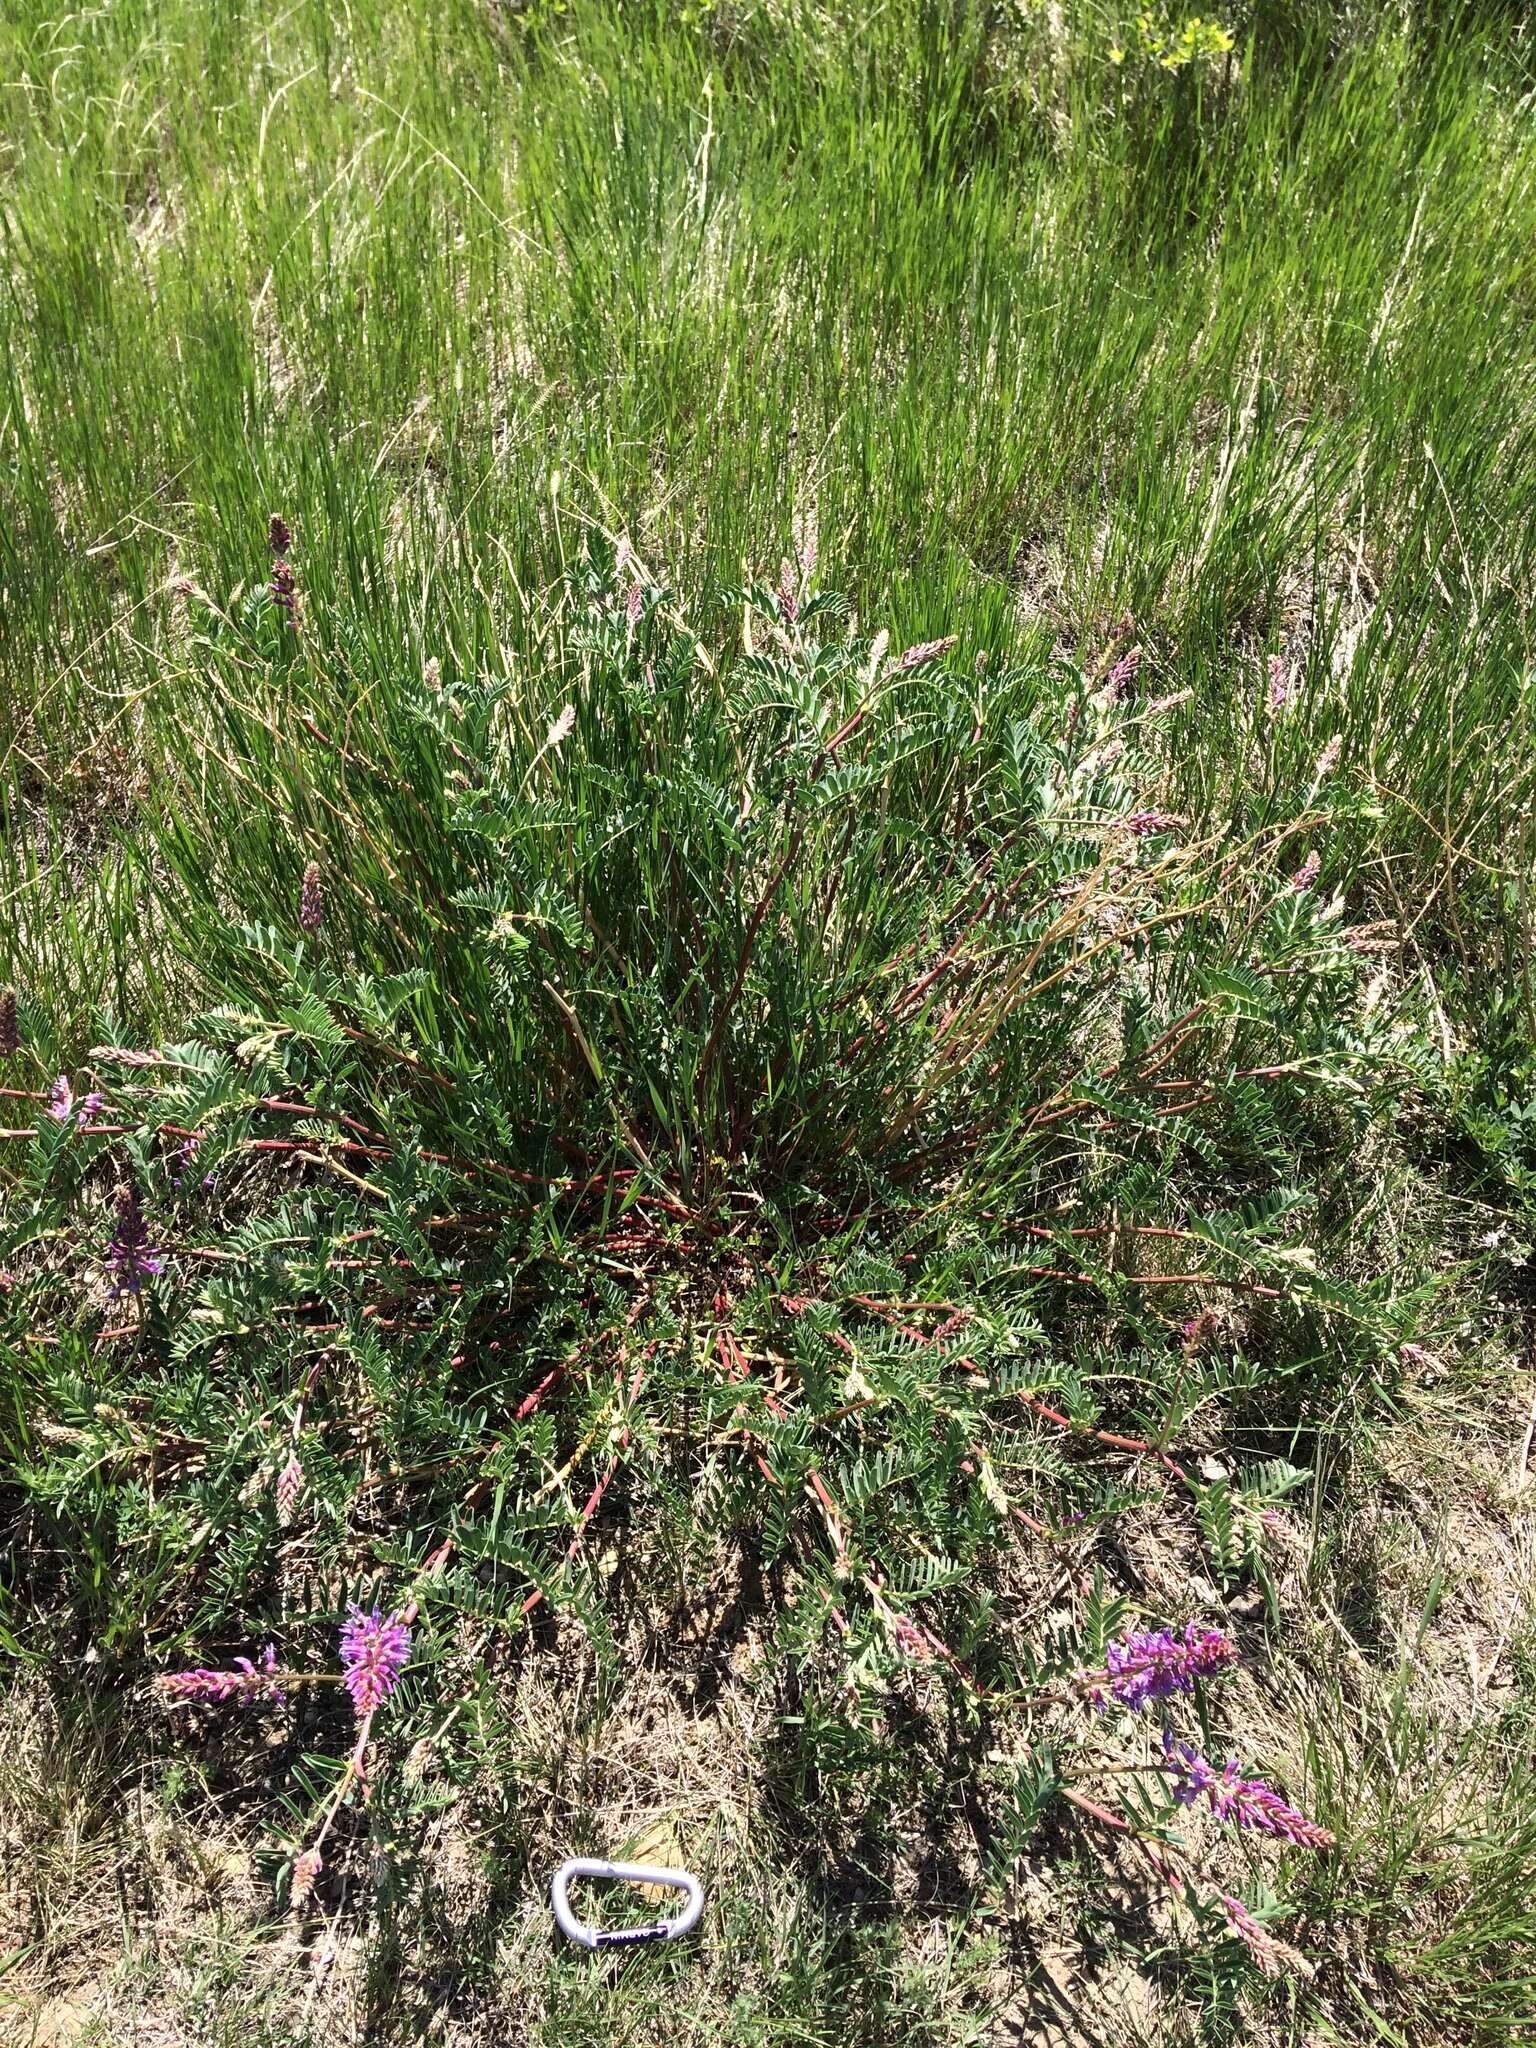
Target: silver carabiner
627,1873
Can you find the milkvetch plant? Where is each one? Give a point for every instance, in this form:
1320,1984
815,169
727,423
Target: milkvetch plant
719,963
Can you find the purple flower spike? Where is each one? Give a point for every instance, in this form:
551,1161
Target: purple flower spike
279,534
186,1153
131,1260
248,1682
1156,1664
90,1109
374,1650
61,1100
1308,872
1247,1801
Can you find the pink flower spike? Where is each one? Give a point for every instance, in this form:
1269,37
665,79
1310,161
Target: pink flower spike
305,1870
290,1488
925,650
1121,679
311,899
248,1682
1261,1945
374,1651
1144,823
910,1640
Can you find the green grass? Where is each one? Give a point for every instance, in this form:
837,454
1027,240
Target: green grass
739,1155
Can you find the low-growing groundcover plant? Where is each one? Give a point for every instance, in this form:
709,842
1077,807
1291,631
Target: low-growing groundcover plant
804,1112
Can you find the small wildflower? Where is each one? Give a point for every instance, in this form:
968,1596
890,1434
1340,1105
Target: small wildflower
302,1883
374,1650
284,590
248,1682
1308,872
131,1260
1249,1802
789,602
925,650
1279,685
623,555
61,1100
279,534
289,1488
1121,679
90,1109
1328,759
634,605
1154,1664
432,674
10,1030
311,899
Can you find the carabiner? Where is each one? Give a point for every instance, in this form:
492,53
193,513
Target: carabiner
627,1873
